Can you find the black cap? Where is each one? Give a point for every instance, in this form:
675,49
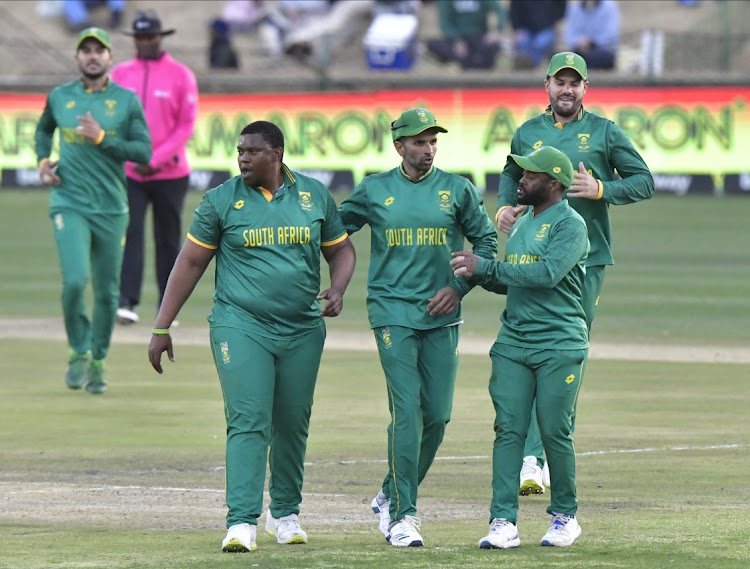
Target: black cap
148,23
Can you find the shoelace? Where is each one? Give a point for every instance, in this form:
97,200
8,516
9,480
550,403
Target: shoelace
414,521
559,521
499,523
288,526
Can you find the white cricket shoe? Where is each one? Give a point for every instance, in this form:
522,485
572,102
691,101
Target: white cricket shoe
545,474
381,505
531,477
285,529
404,532
563,531
240,539
126,316
503,534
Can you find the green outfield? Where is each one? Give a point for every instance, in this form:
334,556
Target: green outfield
134,478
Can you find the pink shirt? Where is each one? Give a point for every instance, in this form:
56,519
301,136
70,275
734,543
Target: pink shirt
169,95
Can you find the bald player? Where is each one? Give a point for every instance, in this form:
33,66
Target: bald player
266,228
418,215
610,172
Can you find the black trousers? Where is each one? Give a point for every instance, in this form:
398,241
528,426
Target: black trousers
167,198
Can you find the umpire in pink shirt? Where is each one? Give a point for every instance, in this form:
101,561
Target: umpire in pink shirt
169,94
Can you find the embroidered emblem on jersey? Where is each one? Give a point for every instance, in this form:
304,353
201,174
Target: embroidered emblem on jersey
224,347
538,144
110,105
570,379
542,233
389,201
444,199
305,201
239,204
59,222
70,104
584,142
387,342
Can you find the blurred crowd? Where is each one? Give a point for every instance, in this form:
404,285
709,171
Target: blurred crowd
471,34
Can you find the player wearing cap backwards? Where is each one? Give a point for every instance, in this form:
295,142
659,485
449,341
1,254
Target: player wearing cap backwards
418,215
541,349
597,147
100,125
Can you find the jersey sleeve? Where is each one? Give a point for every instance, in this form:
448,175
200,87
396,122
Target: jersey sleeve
205,229
512,172
45,129
333,230
354,209
637,183
568,243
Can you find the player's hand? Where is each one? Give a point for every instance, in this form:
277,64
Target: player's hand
464,263
334,302
445,301
48,174
159,344
88,127
584,185
146,170
507,217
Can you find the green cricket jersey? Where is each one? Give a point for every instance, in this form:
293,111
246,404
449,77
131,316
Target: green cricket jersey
415,227
543,273
603,148
92,175
268,252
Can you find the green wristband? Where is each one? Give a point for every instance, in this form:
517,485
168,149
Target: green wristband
160,331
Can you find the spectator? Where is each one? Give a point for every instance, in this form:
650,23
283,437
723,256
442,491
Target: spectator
467,37
592,29
534,33
77,12
221,53
283,16
169,94
242,15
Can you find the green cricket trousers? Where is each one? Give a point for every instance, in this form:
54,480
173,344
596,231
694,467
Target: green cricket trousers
553,378
420,372
90,245
268,387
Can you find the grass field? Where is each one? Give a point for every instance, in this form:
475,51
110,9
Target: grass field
134,479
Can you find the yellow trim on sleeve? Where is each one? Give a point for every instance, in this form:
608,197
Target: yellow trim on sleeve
100,137
201,243
42,161
497,215
601,189
333,242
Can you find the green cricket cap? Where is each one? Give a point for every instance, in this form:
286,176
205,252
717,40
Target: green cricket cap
413,122
98,34
549,160
567,60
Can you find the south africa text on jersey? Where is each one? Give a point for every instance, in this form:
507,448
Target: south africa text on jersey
404,236
283,235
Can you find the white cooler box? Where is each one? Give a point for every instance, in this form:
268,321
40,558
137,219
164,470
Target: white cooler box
391,41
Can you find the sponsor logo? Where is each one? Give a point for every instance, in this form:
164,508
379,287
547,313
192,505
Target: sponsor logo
389,201
224,347
239,204
386,334
570,379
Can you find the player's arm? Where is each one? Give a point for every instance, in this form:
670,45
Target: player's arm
568,241
190,265
507,212
45,129
637,183
354,210
341,259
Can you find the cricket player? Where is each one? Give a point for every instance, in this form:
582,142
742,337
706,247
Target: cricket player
266,228
101,126
610,172
418,214
541,350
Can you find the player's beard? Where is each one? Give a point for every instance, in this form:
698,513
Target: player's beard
94,76
568,110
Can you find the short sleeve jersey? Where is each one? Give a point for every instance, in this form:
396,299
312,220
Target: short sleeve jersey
415,227
268,252
603,148
93,175
548,315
